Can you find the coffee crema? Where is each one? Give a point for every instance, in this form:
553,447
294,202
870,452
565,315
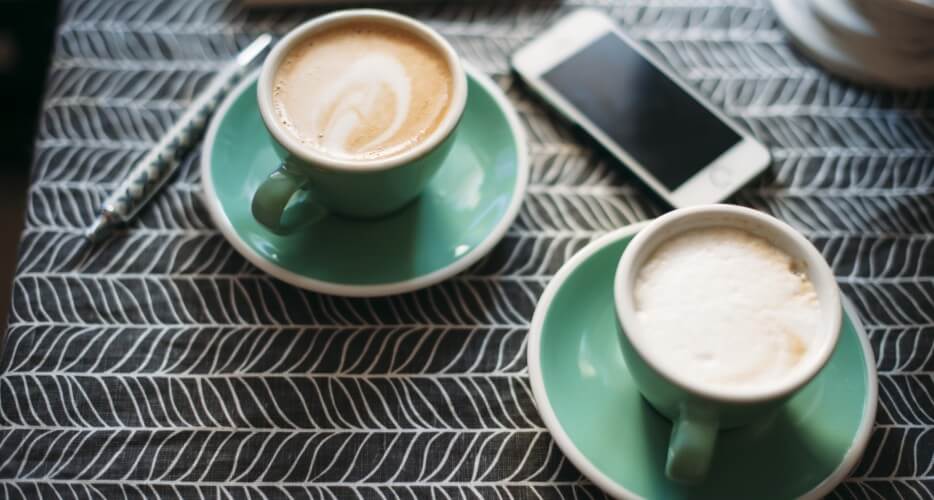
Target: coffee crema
726,308
362,90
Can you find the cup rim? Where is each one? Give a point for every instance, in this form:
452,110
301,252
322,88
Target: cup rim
308,154
819,273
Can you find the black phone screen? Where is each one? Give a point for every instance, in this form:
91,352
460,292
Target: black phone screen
649,116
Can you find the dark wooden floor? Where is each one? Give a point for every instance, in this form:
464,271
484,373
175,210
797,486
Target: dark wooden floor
13,186
26,28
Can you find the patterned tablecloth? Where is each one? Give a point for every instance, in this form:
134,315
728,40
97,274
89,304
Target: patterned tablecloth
162,364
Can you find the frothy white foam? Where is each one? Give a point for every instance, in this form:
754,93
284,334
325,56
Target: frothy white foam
725,307
353,97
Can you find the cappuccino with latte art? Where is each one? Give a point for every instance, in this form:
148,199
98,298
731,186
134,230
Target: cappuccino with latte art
362,90
362,107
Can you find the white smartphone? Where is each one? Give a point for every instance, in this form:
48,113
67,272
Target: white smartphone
670,136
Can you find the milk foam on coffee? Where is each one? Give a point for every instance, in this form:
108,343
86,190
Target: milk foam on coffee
362,90
724,307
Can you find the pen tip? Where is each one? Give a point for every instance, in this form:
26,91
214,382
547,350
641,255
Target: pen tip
98,230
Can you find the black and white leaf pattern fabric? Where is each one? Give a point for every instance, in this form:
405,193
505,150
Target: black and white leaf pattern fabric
162,364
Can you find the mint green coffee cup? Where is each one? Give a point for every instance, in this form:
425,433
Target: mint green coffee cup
699,411
351,187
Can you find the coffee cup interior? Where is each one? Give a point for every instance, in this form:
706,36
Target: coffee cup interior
806,258
309,155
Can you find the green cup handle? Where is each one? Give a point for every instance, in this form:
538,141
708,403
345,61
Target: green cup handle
272,197
691,448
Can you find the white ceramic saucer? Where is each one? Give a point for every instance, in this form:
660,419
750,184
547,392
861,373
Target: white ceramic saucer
859,62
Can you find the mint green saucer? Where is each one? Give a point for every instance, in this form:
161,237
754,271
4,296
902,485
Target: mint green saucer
592,408
463,213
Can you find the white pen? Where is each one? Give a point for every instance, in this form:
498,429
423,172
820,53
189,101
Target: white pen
158,165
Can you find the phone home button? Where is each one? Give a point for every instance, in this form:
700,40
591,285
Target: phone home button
720,176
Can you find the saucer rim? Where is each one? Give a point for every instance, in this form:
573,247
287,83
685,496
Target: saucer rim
587,468
220,219
843,58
